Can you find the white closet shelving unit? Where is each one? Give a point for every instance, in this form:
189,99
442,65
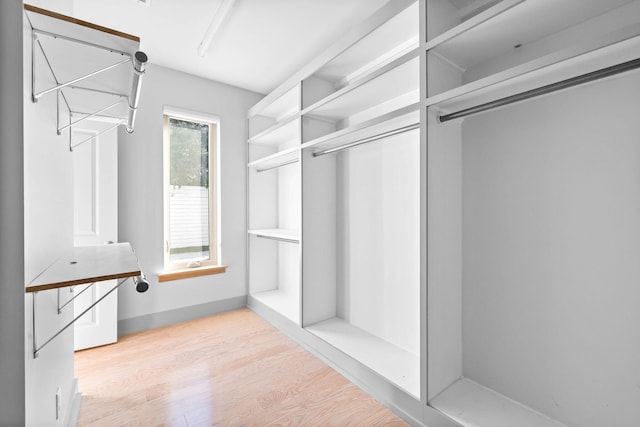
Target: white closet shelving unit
274,203
361,187
498,300
346,130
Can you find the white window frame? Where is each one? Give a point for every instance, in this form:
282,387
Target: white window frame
214,183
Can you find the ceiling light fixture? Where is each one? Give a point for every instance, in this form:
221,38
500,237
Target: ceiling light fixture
220,16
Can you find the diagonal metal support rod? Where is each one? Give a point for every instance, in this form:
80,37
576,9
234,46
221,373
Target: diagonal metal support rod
71,147
36,348
38,95
60,129
90,285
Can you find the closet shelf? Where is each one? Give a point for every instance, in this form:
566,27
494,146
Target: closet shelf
85,265
82,265
381,46
281,158
92,69
399,78
286,303
284,235
513,22
470,403
397,119
550,69
282,133
280,108
397,365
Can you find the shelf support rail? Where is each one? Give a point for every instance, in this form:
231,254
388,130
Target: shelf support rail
138,60
368,139
141,286
543,90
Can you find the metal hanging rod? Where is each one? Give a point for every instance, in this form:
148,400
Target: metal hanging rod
280,239
382,135
268,168
139,63
543,90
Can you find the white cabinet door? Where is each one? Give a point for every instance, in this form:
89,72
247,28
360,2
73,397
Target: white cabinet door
95,223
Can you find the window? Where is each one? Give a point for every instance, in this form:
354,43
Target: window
190,185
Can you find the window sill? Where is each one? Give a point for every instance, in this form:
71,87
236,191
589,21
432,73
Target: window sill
191,272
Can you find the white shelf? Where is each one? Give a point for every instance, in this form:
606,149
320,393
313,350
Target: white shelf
392,83
472,404
500,28
281,158
281,108
550,69
88,264
397,365
282,302
277,234
394,120
282,133
384,44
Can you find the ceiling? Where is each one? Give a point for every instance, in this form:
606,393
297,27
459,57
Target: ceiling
258,46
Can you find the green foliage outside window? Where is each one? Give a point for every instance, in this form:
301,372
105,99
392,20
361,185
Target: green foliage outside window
189,150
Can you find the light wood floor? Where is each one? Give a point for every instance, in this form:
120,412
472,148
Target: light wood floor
232,369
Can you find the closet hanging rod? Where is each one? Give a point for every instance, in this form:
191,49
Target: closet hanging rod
396,131
543,90
268,168
278,238
139,63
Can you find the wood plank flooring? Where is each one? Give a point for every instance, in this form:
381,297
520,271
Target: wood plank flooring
231,369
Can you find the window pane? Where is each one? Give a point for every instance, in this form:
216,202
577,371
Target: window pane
189,190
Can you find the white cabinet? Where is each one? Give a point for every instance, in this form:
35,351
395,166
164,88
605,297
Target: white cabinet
530,248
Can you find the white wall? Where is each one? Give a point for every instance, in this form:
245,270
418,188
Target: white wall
551,243
48,224
140,190
12,352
